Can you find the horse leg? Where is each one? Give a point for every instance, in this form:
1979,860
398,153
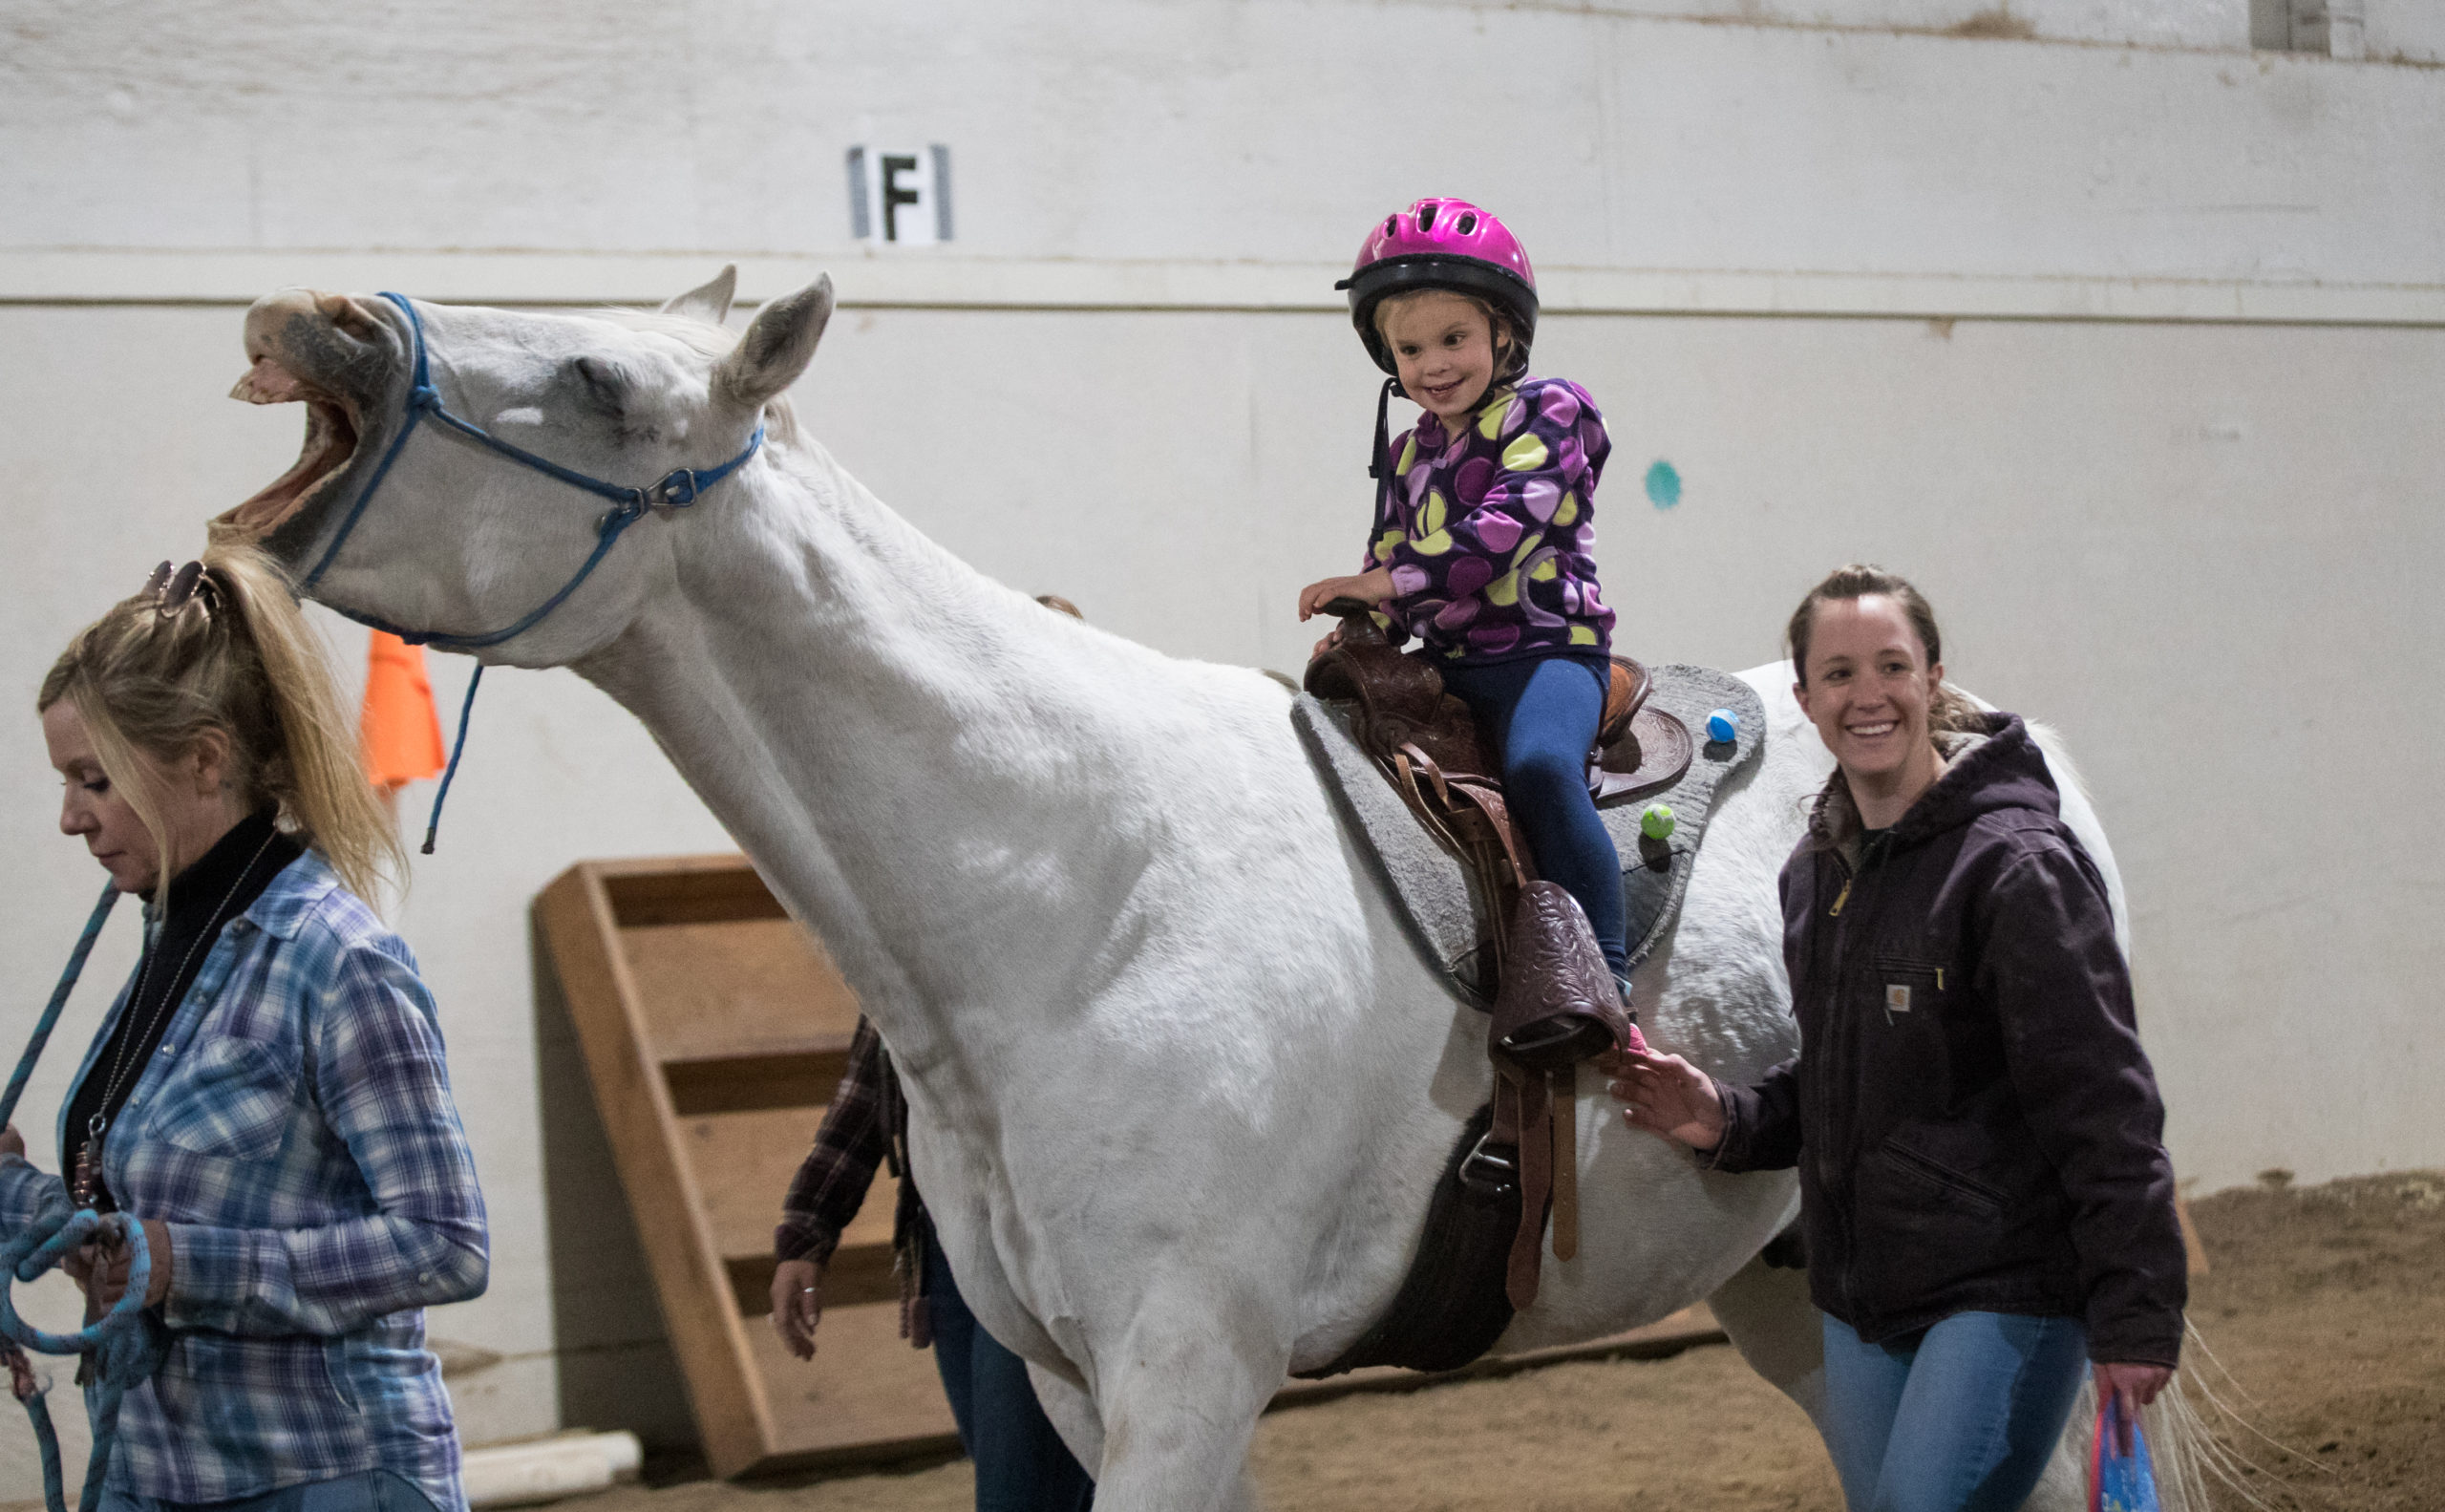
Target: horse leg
1073,1412
1169,1445
1178,1405
1776,1329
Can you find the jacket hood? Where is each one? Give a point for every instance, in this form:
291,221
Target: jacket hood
1998,766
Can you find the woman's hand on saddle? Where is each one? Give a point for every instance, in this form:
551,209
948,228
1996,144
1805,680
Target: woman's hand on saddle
798,1302
1367,587
2134,1386
12,1142
1667,1096
102,1270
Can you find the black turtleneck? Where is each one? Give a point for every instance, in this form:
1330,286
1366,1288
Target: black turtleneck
222,884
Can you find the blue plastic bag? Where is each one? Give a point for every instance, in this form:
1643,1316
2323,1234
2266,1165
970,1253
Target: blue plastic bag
2120,1482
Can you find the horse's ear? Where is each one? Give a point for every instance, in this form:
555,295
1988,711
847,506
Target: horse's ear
778,345
708,302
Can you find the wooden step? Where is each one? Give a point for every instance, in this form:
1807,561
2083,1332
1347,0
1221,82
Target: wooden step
800,1076
714,1031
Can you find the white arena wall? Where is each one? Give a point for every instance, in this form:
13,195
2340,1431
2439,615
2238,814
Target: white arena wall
2126,342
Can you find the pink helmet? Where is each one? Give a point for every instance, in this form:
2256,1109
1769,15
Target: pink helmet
1441,244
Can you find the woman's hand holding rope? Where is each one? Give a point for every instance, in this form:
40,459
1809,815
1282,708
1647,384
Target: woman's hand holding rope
102,1270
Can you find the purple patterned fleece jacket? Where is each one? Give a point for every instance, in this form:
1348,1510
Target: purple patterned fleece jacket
1489,534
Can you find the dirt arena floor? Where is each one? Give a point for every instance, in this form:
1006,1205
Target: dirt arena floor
2325,1305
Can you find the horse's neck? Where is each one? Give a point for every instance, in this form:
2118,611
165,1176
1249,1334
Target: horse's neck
874,722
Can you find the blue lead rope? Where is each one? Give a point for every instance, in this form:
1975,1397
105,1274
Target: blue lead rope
58,1000
677,489
127,1343
457,747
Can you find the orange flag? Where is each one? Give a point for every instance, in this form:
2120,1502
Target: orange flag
401,732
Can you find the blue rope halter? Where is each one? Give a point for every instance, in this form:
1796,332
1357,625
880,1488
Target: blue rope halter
678,489
127,1342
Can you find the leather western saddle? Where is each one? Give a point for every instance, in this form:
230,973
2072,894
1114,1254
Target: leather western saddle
1556,1004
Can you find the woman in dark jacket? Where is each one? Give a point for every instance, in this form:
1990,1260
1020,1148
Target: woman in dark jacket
1984,1187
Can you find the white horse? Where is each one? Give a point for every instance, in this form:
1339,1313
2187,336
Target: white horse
1180,1084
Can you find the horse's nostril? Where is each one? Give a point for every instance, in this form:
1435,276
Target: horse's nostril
347,315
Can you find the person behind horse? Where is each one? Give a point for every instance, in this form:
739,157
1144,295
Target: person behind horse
1484,540
1984,1195
268,1094
1021,1464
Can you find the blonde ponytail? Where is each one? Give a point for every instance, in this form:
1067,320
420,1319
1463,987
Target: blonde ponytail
150,677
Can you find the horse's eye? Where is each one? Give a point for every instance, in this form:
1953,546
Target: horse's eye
606,390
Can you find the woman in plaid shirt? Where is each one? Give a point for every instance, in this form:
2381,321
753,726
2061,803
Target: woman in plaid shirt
268,1094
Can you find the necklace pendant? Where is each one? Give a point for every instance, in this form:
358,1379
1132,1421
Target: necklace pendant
87,1184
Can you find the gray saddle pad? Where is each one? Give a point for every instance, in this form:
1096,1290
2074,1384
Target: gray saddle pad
1434,890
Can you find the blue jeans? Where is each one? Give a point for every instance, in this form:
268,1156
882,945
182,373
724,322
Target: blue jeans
1959,1419
1022,1465
373,1491
1542,712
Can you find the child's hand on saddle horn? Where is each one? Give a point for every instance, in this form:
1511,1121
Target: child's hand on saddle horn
1367,587
12,1142
1667,1096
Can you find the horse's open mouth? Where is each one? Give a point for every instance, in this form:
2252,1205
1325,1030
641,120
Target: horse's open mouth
330,440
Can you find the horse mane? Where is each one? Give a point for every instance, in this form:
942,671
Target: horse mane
708,340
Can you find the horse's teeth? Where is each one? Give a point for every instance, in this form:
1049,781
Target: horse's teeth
267,382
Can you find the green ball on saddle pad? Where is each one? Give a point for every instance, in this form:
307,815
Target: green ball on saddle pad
1656,824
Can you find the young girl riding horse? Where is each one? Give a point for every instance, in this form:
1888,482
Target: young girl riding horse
1483,536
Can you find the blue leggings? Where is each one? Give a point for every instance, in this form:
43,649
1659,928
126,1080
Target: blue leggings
1543,713
1960,1419
1022,1465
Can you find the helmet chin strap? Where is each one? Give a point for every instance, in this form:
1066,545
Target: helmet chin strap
1376,463
1379,466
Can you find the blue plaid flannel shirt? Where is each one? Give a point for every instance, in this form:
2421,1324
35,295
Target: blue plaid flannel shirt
296,1133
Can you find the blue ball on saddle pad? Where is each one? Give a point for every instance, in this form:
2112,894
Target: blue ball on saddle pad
1723,726
1657,822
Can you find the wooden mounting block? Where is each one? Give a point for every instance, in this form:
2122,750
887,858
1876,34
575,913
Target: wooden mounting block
713,1031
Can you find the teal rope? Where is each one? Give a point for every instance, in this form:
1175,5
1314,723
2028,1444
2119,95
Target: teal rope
127,1342
449,773
58,1000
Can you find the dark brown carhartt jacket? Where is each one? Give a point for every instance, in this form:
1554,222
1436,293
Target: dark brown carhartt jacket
1975,1125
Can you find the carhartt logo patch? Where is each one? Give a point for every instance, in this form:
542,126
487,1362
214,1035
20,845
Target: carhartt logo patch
1897,998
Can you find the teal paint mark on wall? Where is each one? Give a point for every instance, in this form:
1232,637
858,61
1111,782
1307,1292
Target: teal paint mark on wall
1663,485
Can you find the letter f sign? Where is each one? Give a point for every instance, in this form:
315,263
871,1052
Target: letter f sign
901,197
